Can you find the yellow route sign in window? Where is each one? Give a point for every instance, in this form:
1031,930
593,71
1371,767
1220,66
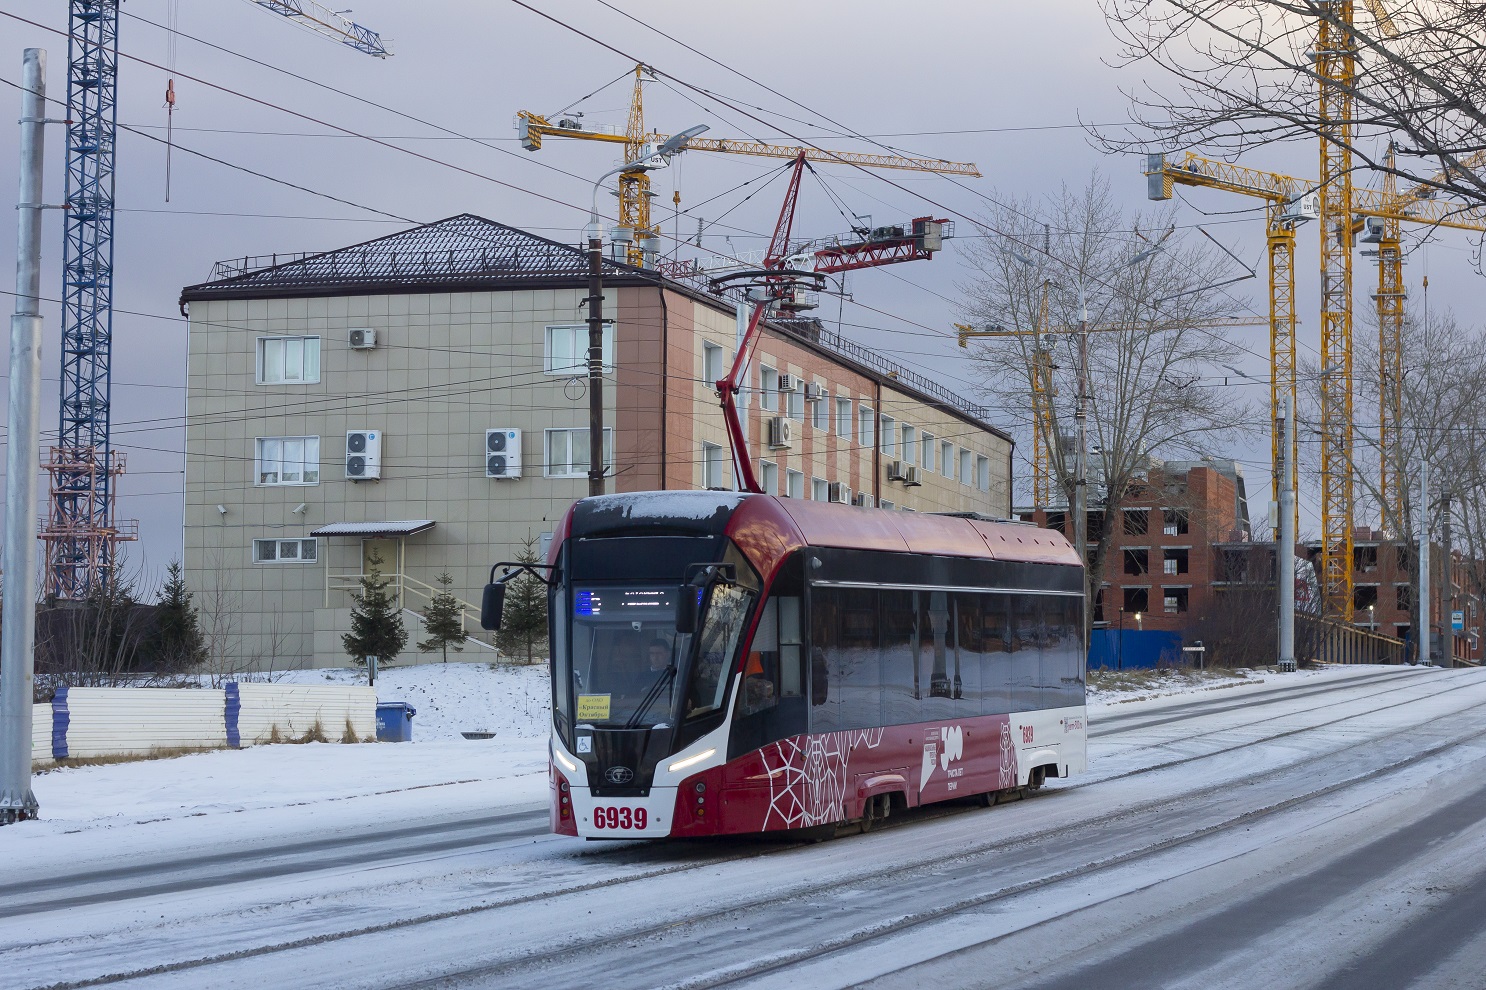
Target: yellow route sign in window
593,707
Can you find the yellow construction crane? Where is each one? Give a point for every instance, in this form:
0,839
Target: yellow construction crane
634,187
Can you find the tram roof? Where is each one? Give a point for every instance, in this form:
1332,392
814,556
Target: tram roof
768,527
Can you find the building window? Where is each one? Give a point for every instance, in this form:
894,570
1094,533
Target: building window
947,459
711,363
843,418
910,444
1403,597
770,480
769,387
885,504
284,551
567,452
821,414
1175,601
966,464
929,451
794,484
567,349
288,360
796,400
1137,561
866,425
1177,561
983,473
712,466
1174,522
287,461
864,500
1137,521
1137,599
889,435
819,490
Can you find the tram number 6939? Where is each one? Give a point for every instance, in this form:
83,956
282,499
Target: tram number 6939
1026,734
619,818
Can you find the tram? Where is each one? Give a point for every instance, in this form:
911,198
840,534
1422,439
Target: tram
731,662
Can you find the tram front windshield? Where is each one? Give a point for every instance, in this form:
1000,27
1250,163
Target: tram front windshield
631,668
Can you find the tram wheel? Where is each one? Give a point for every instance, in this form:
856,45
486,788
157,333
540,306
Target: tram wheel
1035,780
987,799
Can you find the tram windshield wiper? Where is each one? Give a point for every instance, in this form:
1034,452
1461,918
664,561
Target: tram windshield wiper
650,696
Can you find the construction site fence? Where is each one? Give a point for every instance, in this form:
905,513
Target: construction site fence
1326,641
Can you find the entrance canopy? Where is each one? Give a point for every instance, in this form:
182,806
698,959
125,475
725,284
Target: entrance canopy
372,530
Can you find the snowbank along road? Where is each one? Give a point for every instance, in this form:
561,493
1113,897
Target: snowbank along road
1326,832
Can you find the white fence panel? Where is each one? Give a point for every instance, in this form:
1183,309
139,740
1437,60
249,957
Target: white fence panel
138,721
41,733
340,710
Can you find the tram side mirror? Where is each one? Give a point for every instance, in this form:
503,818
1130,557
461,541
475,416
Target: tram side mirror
688,608
491,605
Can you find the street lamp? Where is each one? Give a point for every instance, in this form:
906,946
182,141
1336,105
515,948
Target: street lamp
1139,625
655,159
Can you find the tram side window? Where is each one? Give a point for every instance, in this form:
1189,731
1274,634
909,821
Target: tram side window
852,659
1025,652
997,636
772,670
825,693
1051,667
562,660
1074,657
968,656
941,684
901,685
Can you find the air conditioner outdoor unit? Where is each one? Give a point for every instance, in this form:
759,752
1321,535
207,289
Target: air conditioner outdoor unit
789,383
837,492
363,338
896,471
781,433
862,500
813,392
363,455
910,477
503,454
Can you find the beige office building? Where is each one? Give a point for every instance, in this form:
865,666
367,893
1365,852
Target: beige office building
346,403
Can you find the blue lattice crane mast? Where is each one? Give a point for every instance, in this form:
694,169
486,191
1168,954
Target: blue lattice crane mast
80,533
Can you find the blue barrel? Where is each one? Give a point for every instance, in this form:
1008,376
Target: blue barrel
395,721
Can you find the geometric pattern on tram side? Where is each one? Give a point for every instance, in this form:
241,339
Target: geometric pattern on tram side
807,776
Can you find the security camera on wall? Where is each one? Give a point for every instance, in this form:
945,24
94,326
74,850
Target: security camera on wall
363,455
503,454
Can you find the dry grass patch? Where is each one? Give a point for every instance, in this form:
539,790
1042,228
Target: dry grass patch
158,753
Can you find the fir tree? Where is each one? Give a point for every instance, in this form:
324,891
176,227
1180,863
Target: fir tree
444,621
177,642
376,624
524,623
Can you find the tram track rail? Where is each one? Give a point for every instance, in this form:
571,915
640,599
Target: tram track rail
759,851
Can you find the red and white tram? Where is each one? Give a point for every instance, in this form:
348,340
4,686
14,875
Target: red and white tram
730,662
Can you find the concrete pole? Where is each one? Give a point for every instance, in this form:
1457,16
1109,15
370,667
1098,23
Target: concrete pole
1081,419
1447,594
23,464
1422,629
1284,551
595,364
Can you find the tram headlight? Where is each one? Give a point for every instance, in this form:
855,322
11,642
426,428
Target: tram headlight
691,761
561,758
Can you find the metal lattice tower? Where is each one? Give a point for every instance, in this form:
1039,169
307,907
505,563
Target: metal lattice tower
1336,66
79,532
1390,301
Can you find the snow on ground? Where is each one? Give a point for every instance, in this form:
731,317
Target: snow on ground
334,782
1107,687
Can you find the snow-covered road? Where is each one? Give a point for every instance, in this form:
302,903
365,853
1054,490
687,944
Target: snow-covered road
1325,831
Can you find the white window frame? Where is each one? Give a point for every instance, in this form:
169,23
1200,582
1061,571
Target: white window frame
769,477
910,443
569,467
714,470
982,472
301,544
712,363
820,416
928,442
796,402
578,365
820,490
844,424
273,451
794,483
768,383
866,426
885,504
967,465
889,436
947,459
309,360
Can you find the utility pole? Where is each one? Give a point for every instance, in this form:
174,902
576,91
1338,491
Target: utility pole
1423,625
1447,600
23,463
1081,418
1284,551
595,362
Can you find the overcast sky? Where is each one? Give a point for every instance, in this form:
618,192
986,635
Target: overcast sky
999,84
